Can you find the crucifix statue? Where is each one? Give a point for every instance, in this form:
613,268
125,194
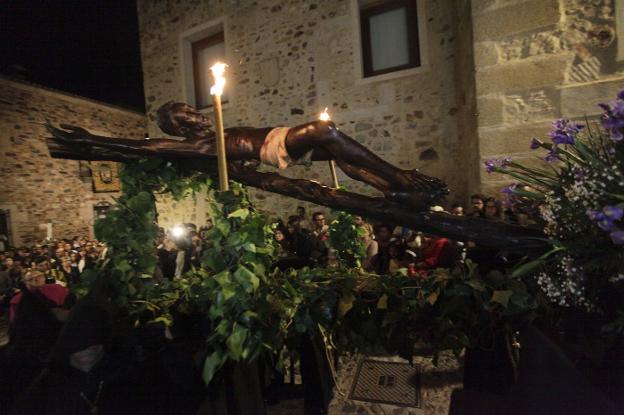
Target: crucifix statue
279,147
407,193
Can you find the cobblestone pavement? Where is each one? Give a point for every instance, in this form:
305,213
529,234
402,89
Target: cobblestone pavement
437,383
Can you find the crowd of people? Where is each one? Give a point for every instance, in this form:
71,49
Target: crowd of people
62,349
388,248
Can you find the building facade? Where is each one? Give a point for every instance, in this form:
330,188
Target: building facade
41,196
489,76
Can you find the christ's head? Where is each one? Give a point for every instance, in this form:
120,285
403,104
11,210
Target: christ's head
182,120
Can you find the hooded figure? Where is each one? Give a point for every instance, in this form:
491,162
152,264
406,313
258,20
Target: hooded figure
82,376
32,335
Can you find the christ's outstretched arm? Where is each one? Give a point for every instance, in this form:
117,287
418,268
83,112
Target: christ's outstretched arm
280,147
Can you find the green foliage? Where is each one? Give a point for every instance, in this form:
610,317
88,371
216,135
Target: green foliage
253,310
345,238
450,309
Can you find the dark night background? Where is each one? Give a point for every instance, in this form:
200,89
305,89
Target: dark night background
85,47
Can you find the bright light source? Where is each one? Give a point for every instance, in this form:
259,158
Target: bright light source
324,116
177,231
218,69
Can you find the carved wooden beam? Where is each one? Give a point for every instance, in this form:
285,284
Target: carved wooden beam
485,233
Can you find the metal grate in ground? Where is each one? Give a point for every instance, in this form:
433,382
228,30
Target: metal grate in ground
392,383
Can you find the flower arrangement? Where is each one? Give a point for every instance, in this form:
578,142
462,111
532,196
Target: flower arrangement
579,192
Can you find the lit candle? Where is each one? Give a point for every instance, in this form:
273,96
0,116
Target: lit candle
216,91
324,116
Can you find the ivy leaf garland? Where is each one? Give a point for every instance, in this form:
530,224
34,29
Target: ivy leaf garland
252,310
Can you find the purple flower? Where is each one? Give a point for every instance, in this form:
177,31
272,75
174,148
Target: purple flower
613,117
552,155
593,215
564,131
536,143
493,164
509,190
511,199
603,222
613,212
617,237
490,165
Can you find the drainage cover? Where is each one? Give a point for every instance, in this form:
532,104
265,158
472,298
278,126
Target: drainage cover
393,383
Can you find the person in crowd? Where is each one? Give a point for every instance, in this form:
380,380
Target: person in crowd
83,374
436,252
457,209
70,273
398,257
304,222
364,226
371,248
23,256
476,201
36,315
74,263
320,229
380,263
196,249
492,209
284,249
13,268
7,288
34,281
308,249
167,252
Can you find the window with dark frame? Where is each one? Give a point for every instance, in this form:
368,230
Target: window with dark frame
389,33
205,53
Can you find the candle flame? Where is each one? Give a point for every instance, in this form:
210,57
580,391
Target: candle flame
324,115
217,72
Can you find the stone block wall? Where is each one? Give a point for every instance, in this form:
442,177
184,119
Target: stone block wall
535,61
37,189
290,59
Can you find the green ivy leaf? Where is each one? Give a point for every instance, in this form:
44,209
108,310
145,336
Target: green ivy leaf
345,304
382,304
223,278
433,297
246,278
251,247
147,263
239,213
228,292
501,297
224,227
123,266
212,364
236,341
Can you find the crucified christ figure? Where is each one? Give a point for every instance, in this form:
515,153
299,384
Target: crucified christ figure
279,147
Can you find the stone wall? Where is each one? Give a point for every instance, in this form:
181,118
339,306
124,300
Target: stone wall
37,189
467,138
290,59
537,60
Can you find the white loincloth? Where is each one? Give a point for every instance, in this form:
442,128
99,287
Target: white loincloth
274,153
